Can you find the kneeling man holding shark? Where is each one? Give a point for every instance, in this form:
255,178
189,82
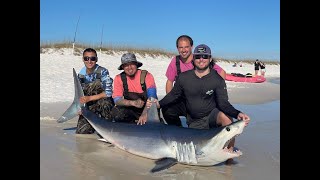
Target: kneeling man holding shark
205,94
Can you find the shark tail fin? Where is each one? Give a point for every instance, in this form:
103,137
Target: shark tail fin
75,107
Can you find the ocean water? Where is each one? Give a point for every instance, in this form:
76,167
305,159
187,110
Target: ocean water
262,112
258,112
274,80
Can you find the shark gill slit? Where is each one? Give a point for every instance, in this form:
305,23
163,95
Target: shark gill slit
185,152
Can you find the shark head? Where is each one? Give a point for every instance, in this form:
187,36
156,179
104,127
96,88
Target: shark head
215,150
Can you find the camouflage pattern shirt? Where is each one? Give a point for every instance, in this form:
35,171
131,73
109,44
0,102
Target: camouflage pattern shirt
106,80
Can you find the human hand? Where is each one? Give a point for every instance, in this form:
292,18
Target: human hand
149,103
142,119
137,103
85,99
244,117
79,112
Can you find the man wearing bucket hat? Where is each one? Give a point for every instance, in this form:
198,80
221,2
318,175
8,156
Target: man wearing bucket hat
204,91
132,88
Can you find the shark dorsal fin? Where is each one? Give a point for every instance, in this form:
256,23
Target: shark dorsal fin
153,115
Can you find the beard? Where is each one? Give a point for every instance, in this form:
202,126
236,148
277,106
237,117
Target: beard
131,72
131,75
203,68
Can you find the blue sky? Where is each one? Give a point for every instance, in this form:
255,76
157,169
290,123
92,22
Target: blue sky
231,28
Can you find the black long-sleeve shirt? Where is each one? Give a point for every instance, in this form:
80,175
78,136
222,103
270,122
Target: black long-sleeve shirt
202,94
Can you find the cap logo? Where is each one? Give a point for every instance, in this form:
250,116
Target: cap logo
202,50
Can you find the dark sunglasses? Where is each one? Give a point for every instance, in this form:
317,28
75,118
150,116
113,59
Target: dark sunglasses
92,58
203,56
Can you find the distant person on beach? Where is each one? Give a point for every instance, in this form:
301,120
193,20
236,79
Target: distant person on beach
205,92
131,90
262,68
97,88
256,67
181,63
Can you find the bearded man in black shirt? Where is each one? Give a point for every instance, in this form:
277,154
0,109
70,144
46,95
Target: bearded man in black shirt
205,93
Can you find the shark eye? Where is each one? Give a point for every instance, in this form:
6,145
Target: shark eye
227,128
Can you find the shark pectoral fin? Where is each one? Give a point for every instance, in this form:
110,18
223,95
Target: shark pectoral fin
164,163
103,140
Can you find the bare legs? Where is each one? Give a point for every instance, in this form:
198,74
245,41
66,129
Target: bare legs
256,72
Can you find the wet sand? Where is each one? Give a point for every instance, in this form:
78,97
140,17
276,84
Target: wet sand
64,155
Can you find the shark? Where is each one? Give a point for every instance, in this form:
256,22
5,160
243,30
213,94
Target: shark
166,144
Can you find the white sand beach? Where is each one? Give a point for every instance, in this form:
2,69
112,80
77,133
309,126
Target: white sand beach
65,155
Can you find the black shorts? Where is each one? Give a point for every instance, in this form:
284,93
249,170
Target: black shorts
206,122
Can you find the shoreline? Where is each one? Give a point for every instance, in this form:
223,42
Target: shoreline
239,94
80,157
253,93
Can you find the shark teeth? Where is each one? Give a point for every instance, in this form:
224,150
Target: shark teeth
227,143
232,151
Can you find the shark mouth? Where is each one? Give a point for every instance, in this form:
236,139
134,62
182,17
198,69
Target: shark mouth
231,150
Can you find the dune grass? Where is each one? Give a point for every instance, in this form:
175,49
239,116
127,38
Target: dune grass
153,52
106,49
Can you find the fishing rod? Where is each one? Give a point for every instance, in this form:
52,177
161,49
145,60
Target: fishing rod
75,33
101,39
